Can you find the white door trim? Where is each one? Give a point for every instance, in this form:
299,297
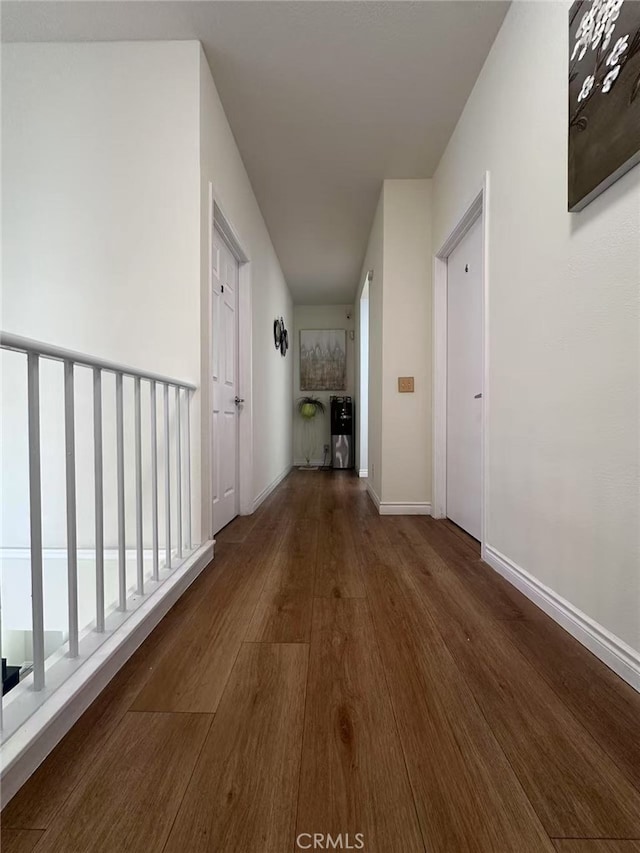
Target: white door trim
363,377
479,208
218,219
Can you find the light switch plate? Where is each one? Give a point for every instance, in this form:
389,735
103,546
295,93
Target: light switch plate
405,384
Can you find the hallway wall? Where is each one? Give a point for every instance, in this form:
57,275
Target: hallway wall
407,343
564,393
399,252
271,393
319,317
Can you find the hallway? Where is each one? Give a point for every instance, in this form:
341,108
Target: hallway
338,672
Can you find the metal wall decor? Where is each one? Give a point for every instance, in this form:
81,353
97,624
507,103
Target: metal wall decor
280,336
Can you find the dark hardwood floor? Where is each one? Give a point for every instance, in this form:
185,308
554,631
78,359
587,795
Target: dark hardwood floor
337,672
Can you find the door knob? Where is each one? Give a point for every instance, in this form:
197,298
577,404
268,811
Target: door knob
477,396
239,400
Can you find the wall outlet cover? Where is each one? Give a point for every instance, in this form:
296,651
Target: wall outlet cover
405,384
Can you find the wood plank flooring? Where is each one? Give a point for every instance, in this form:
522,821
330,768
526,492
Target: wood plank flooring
242,795
283,614
20,840
129,799
550,751
334,672
354,777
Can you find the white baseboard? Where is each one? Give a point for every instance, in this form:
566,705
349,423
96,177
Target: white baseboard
611,650
372,494
390,508
264,494
27,748
393,508
363,472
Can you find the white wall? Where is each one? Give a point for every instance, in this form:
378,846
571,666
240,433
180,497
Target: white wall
272,375
564,391
406,418
101,216
400,254
320,317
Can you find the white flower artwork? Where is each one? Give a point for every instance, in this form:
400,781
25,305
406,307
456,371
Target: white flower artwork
604,95
618,49
610,79
323,359
587,86
596,27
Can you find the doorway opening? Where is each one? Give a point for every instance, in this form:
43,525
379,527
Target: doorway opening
229,439
363,443
461,372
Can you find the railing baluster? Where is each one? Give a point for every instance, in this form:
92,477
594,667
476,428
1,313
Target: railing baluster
72,536
154,482
179,469
35,509
99,509
188,453
138,461
35,351
167,479
122,553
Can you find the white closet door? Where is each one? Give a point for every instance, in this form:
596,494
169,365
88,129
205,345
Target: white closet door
225,383
464,382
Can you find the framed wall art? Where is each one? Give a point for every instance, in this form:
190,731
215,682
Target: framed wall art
604,95
323,359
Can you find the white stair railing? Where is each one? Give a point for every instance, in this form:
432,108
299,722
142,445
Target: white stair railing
34,352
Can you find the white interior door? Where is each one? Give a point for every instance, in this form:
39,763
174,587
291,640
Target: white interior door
224,335
464,382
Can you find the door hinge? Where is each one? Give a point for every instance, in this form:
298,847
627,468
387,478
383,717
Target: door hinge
222,288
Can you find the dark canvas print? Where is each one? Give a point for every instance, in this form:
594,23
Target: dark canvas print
604,95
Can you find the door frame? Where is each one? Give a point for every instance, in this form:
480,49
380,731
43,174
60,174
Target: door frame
363,378
218,219
477,209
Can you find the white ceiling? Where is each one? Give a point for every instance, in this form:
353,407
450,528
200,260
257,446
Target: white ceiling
325,99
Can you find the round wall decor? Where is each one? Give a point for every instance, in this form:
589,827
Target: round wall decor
280,336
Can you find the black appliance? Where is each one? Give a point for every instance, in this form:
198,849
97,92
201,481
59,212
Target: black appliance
342,432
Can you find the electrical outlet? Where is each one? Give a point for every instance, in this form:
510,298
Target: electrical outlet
326,448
